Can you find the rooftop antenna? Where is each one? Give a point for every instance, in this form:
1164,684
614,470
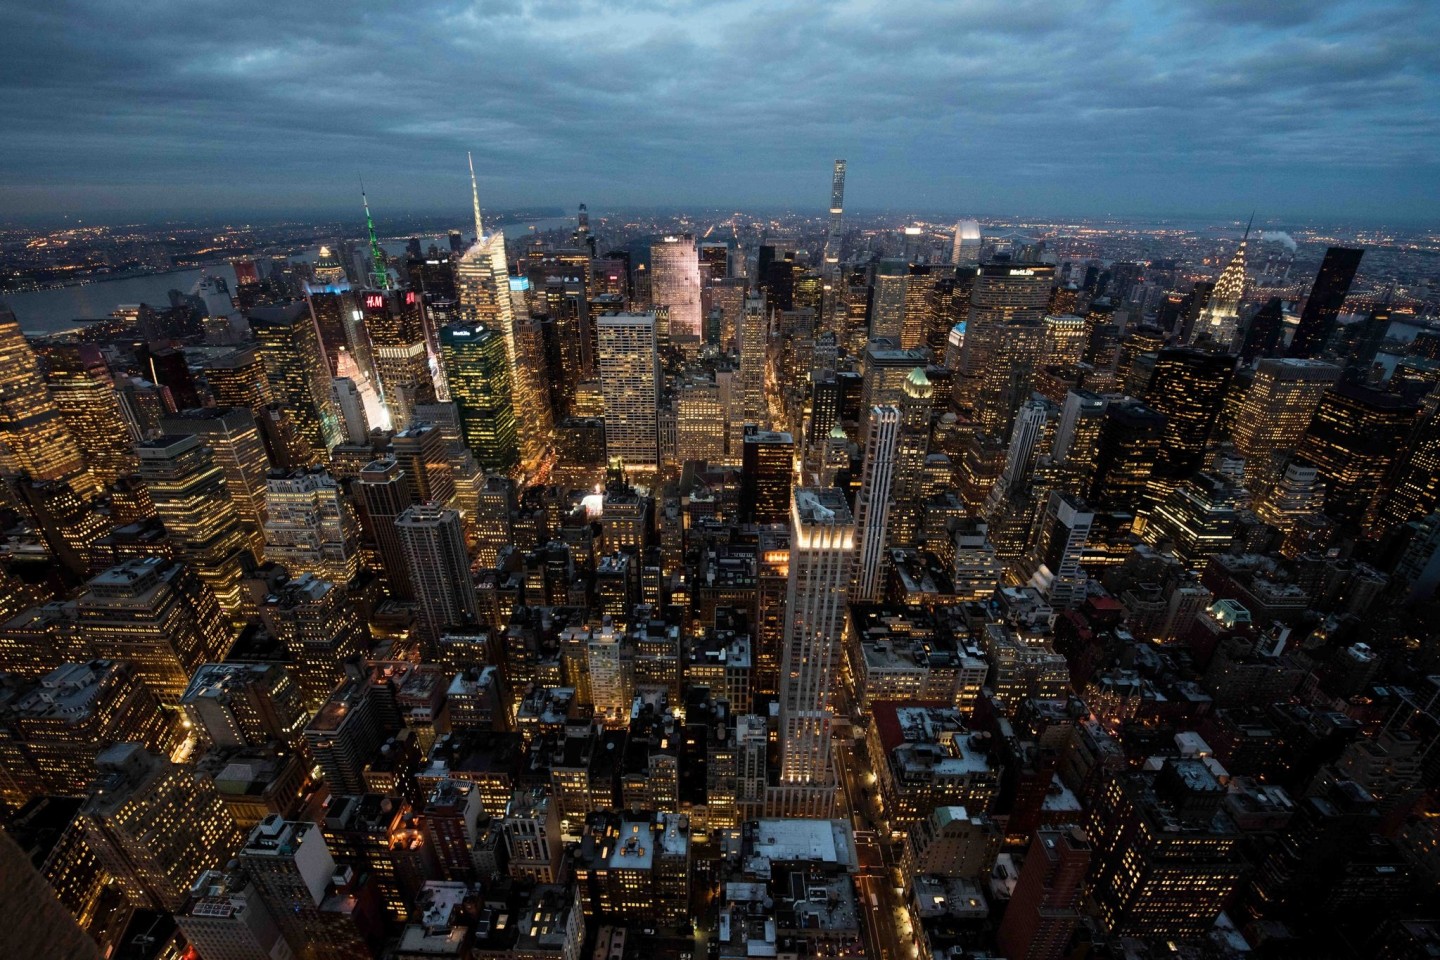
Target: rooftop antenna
379,276
475,197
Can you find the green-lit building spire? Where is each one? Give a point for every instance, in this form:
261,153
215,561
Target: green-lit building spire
379,276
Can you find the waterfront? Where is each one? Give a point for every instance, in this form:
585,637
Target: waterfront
56,309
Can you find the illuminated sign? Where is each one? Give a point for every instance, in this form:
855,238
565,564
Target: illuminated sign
519,283
1022,273
374,301
409,298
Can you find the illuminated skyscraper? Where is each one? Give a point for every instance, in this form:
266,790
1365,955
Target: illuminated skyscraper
873,502
298,375
1127,448
766,468
916,404
833,235
479,376
966,246
700,419
434,548
749,394
1004,338
675,287
1414,488
309,527
319,629
629,380
1053,564
159,616
34,438
1278,408
1354,439
233,439
822,547
194,502
1327,296
1220,319
887,302
155,826
395,322
84,392
1188,386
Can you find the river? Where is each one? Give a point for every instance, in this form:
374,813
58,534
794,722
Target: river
49,311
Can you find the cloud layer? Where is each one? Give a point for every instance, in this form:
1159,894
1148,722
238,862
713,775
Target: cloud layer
1300,108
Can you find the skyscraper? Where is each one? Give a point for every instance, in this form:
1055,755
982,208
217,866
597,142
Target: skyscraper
1188,386
386,491
34,438
233,439
298,375
749,394
1221,317
766,468
629,381
318,628
1278,408
1045,907
395,322
1053,564
309,527
1004,337
434,547
1128,446
675,287
84,392
837,214
194,502
916,404
475,366
873,502
1354,439
1327,296
158,615
155,826
887,301
822,546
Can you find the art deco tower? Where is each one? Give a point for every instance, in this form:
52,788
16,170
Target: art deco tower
1221,316
822,548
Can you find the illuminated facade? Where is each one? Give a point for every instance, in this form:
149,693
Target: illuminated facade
700,422
675,287
233,438
194,502
1220,319
35,440
155,826
434,548
873,502
309,526
1354,439
298,375
159,616
395,322
1188,387
822,548
478,373
1277,410
84,392
319,628
629,380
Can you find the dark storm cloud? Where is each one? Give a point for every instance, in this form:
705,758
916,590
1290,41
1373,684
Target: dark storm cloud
987,106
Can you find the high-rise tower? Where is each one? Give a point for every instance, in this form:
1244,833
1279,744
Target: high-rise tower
822,548
837,214
872,502
1327,296
479,378
675,287
1221,316
434,548
34,439
629,382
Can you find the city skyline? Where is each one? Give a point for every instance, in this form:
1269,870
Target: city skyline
1298,109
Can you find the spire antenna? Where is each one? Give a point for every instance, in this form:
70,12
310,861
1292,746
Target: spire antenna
1249,225
379,277
475,197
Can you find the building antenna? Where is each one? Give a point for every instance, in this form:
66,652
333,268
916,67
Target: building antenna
475,197
379,276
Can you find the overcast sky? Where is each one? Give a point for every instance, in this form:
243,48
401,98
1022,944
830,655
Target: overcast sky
155,108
